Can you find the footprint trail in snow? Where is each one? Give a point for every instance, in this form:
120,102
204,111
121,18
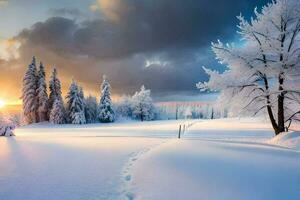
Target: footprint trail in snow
126,186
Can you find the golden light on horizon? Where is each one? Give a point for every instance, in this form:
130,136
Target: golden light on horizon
2,103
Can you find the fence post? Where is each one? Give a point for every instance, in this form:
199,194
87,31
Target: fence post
179,131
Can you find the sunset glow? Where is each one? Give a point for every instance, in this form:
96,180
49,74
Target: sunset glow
2,103
150,99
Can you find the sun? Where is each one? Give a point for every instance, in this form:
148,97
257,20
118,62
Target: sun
2,103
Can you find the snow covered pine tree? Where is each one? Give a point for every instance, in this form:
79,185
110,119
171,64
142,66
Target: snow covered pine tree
54,88
29,95
57,114
143,107
106,113
81,96
42,96
75,105
56,104
264,70
91,109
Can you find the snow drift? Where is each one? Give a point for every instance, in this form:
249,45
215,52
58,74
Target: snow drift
289,140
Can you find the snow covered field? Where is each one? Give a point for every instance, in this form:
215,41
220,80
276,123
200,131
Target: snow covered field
215,159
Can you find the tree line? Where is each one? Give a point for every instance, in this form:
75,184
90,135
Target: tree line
38,106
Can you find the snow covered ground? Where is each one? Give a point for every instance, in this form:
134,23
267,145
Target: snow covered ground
215,159
290,140
193,169
118,129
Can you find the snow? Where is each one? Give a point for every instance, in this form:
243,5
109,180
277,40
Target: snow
232,129
193,169
215,159
69,168
119,129
289,139
7,125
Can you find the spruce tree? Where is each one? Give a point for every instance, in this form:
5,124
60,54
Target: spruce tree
55,89
75,105
82,99
91,109
57,114
106,113
29,95
42,96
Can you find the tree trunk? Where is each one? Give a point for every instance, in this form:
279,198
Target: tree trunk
280,114
281,105
273,121
269,108
142,113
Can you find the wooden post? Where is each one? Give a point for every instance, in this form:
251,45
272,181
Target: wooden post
179,131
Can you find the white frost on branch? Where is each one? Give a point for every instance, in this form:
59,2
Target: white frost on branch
265,67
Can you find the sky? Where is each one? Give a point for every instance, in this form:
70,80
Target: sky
162,44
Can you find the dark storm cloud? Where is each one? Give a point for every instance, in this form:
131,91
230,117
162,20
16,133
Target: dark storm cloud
132,32
142,26
66,12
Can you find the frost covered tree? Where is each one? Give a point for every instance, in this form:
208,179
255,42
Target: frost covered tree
91,109
42,96
264,71
188,113
57,114
7,125
75,105
142,105
54,88
29,93
106,112
124,107
81,95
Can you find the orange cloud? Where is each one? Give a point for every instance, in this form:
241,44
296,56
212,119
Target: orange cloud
9,49
112,9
